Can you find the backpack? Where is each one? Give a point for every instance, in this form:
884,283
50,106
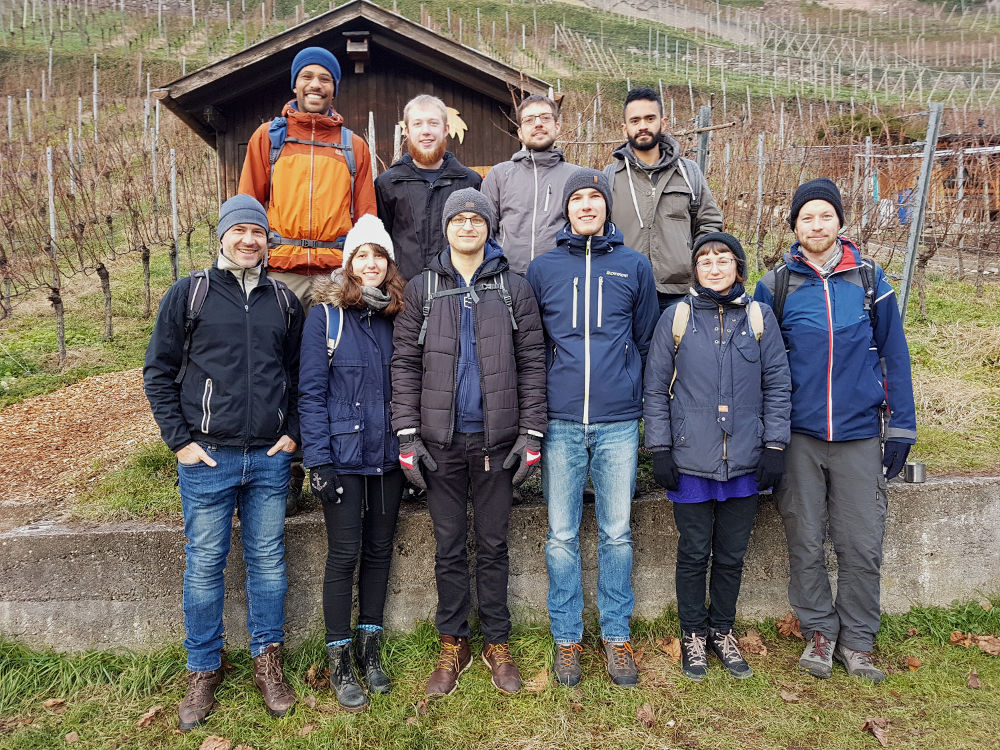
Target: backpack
682,315
332,344
278,135
692,175
198,291
869,278
431,281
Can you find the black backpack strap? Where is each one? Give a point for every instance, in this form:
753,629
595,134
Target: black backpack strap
197,292
781,273
507,300
430,291
281,295
869,278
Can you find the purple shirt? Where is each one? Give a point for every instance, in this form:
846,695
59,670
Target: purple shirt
692,489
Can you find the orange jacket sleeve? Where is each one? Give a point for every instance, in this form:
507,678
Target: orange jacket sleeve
364,183
255,179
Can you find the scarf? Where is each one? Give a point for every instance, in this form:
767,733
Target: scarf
721,299
375,298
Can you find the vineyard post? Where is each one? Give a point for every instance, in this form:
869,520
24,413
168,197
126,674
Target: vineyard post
371,143
95,97
868,192
960,197
704,120
758,233
27,111
10,118
175,251
55,296
984,230
72,180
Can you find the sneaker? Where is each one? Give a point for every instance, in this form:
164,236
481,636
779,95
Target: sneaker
621,664
567,665
506,678
199,700
455,658
694,658
817,659
725,646
858,663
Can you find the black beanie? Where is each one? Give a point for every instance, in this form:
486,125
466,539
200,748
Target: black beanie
729,241
584,178
820,189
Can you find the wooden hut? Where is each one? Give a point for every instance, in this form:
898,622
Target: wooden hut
385,59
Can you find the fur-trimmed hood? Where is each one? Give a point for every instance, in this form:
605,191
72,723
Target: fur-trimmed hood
327,289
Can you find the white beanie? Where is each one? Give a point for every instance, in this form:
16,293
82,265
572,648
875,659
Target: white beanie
368,231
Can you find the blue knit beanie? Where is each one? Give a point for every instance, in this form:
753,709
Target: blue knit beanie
241,209
317,56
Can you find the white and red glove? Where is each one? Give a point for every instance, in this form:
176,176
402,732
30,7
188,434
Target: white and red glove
411,453
528,451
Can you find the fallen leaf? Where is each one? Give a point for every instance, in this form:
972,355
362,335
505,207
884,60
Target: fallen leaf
670,646
53,702
895,694
214,742
317,677
987,606
412,721
577,702
789,626
646,715
422,705
789,697
72,737
751,643
960,639
310,700
912,632
147,718
878,728
974,682
308,729
538,683
637,656
912,663
988,644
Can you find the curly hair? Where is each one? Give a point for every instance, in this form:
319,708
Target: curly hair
393,285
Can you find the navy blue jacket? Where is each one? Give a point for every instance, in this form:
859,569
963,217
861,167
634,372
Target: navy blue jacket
595,355
240,385
344,407
732,393
843,370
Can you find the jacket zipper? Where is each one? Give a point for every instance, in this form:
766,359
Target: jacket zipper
586,336
829,362
534,205
600,300
312,177
246,328
576,291
206,406
725,435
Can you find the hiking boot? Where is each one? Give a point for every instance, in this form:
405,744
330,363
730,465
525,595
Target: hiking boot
567,664
199,700
817,659
455,658
621,664
344,682
694,658
368,654
506,678
725,646
269,677
858,663
293,501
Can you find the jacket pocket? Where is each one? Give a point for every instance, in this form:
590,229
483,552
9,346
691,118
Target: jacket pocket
345,442
576,296
747,345
628,372
206,406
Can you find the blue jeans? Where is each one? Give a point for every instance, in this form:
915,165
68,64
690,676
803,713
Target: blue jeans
256,484
609,451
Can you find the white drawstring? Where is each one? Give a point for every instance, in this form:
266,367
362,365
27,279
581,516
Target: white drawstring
631,187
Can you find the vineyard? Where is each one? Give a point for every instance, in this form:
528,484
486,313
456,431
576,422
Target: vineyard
98,183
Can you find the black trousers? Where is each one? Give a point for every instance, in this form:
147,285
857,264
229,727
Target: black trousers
362,523
459,466
720,530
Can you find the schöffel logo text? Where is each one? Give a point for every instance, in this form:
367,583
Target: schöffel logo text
617,273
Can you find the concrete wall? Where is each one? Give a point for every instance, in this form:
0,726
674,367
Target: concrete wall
119,585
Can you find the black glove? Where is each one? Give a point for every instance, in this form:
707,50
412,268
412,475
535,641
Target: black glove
528,450
665,470
894,456
325,484
411,453
770,468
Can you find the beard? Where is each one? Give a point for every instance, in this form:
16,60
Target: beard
654,142
425,156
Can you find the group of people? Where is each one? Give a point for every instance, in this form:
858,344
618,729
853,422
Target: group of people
433,329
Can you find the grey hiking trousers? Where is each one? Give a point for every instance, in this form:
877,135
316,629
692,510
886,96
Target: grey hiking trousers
843,485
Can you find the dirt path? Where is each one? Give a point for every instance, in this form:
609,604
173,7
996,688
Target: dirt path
53,444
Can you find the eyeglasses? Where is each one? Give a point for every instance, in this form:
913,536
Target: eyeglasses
546,118
722,264
478,222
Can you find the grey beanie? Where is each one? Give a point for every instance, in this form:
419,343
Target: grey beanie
583,178
821,189
368,231
241,209
468,199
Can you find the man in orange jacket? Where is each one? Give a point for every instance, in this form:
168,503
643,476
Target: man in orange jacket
315,181
299,166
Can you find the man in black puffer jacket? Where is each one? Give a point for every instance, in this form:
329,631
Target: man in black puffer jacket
468,402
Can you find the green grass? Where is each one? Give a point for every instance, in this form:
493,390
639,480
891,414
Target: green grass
145,488
930,707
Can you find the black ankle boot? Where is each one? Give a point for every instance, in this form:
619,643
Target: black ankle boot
344,682
368,654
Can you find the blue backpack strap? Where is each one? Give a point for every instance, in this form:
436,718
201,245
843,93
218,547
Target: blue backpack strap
347,149
277,133
197,292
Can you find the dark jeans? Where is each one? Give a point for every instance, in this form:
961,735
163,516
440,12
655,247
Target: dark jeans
462,464
722,530
364,522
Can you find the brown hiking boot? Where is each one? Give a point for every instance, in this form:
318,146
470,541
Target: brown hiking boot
455,658
199,700
506,678
268,676
621,664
